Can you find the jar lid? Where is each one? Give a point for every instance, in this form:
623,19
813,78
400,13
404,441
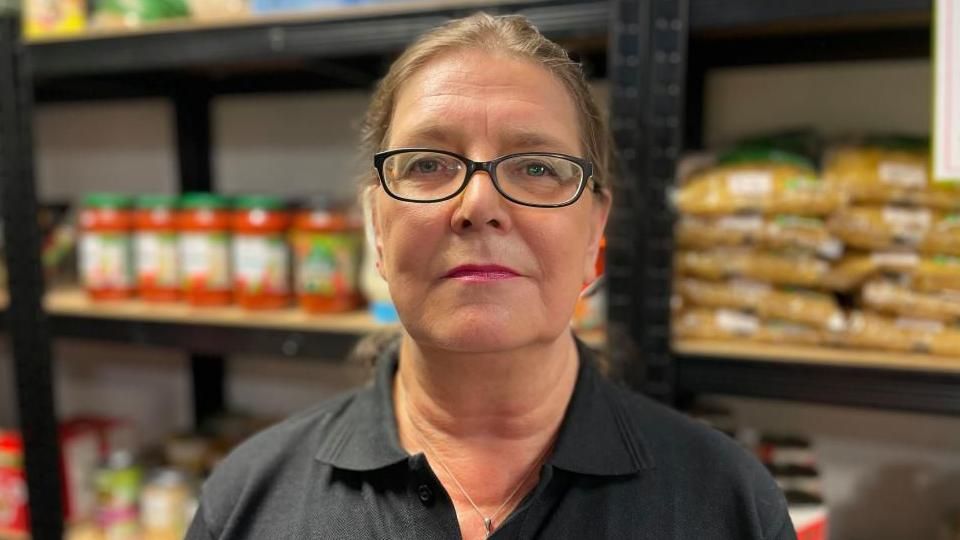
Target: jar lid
106,200
204,200
156,201
259,202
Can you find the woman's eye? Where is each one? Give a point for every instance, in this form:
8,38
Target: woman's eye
426,166
537,169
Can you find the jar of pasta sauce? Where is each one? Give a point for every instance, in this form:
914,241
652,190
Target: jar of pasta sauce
261,260
327,246
203,223
155,242
106,265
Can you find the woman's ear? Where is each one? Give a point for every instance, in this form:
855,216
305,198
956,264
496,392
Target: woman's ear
599,212
372,227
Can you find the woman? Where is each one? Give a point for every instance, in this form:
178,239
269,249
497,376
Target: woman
489,192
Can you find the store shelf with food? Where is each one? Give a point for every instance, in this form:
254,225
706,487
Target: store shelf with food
288,332
214,330
364,30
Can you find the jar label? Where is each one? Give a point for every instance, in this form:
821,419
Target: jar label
105,260
156,259
204,261
327,263
260,264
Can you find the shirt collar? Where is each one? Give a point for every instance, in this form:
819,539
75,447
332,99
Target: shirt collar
595,436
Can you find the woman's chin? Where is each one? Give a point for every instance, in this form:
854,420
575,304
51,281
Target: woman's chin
476,333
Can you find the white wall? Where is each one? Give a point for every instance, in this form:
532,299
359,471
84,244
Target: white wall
888,474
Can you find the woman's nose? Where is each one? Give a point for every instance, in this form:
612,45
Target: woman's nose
480,206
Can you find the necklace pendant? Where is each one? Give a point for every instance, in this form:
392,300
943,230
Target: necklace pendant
488,523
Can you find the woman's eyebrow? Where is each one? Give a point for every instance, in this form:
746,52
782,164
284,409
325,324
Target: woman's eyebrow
427,135
510,141
532,140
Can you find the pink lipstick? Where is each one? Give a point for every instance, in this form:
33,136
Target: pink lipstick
484,272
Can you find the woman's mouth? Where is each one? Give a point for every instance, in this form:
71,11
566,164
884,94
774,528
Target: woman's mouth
481,272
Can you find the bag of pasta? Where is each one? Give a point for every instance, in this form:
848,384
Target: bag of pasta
889,172
795,305
869,330
772,189
772,232
725,324
889,296
854,269
946,342
891,227
778,268
938,274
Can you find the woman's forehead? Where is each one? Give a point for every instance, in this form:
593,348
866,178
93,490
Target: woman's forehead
512,102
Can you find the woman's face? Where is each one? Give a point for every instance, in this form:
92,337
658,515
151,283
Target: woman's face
521,269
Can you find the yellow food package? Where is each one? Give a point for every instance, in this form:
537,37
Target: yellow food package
889,227
888,296
875,175
797,269
939,274
710,324
54,17
800,306
870,330
856,268
774,188
773,232
946,342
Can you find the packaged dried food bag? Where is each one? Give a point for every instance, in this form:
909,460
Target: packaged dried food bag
889,172
945,342
940,273
763,181
873,331
856,268
892,297
778,268
773,232
890,227
769,189
724,324
795,305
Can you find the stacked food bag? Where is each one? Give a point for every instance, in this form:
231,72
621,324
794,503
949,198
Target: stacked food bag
754,254
902,237
769,250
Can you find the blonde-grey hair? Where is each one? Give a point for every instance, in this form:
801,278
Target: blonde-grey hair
512,35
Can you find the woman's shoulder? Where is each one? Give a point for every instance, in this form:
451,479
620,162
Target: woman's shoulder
270,455
702,467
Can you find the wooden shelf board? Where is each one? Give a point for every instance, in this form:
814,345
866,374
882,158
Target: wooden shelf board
325,14
75,302
800,354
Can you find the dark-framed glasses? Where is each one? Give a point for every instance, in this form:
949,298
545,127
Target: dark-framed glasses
539,179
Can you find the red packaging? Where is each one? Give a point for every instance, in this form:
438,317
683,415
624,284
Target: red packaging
810,522
13,485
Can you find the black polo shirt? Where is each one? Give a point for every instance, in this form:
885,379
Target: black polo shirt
623,467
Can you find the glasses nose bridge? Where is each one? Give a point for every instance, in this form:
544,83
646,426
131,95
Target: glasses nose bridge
485,166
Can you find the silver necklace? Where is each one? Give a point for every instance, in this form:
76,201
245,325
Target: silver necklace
488,522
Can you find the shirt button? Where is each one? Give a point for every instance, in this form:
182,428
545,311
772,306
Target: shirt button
426,495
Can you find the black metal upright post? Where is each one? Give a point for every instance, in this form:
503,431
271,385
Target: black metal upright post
27,323
647,61
191,100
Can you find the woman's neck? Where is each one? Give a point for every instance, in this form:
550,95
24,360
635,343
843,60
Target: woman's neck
517,395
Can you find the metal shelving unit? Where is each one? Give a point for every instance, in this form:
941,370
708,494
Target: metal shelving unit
658,53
